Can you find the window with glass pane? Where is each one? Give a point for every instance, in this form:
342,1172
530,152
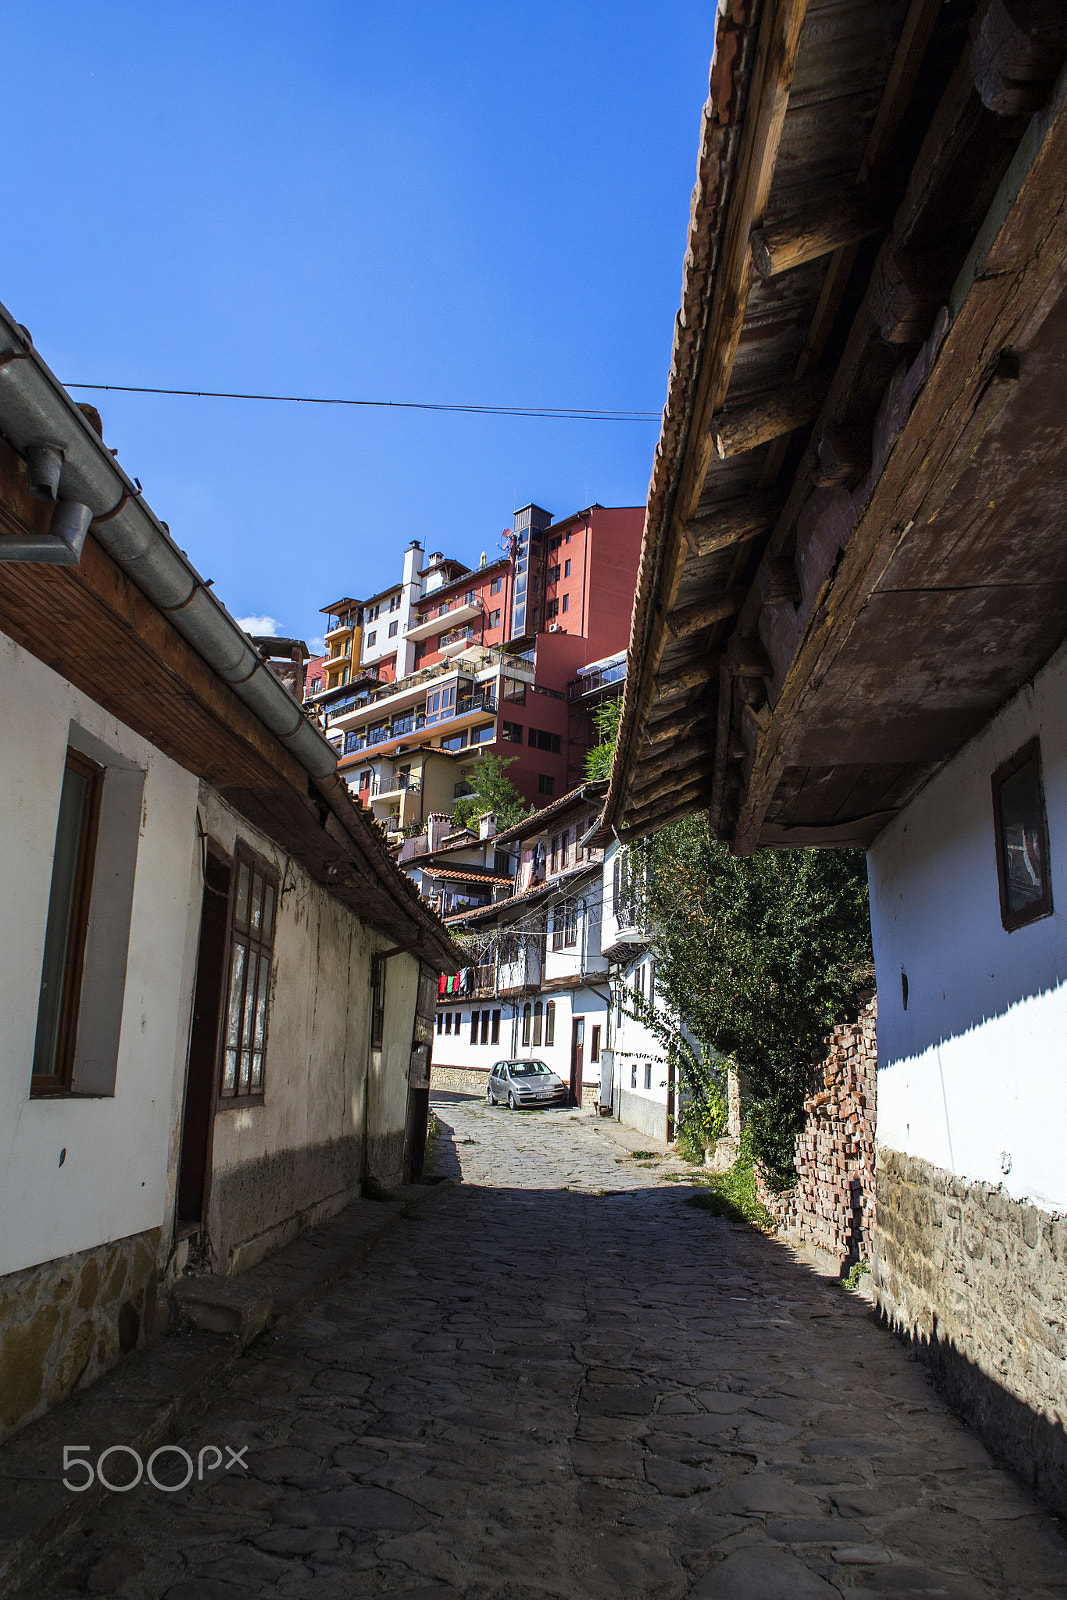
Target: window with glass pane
1021,825
244,1043
65,931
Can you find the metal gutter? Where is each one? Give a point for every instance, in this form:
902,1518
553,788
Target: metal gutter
36,411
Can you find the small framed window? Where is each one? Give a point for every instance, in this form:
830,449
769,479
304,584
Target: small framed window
440,1022
371,637
494,619
494,587
252,920
1021,828
550,1024
495,1036
594,1043
566,571
474,1027
67,925
393,626
526,1015
485,1027
537,1016
633,1075
648,1074
566,602
545,783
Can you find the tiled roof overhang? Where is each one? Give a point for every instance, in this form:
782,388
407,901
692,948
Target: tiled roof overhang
866,356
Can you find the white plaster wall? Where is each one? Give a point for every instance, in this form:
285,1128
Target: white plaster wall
318,1030
973,1076
635,1044
114,1178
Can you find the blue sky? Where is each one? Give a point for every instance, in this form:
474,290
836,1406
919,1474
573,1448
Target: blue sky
479,202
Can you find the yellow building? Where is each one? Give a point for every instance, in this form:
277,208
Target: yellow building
344,641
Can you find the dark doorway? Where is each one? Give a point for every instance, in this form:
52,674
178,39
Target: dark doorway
203,1042
577,1058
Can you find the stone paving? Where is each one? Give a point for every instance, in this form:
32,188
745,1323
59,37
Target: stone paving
558,1379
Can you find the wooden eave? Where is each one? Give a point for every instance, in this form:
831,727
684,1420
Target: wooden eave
95,628
828,605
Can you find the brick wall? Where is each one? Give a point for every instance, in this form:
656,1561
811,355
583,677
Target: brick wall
831,1209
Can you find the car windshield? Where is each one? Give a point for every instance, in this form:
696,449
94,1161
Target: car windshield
528,1069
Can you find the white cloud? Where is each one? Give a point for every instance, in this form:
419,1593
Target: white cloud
263,626
317,646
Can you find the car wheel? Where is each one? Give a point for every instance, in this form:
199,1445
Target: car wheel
513,1104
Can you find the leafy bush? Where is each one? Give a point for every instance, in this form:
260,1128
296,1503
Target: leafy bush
733,1194
759,957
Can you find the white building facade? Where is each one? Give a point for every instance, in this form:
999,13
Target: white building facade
968,895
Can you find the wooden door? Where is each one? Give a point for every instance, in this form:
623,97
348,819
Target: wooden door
577,1058
195,1158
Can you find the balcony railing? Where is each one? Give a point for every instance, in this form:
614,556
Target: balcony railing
414,721
457,636
589,682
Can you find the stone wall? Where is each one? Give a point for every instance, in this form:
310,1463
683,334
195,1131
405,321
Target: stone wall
831,1210
460,1080
980,1281
65,1322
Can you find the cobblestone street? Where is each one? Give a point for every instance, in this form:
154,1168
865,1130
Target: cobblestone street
558,1379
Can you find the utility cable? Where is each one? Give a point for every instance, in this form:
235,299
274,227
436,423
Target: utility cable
548,413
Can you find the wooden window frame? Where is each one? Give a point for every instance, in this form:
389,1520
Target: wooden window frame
550,1024
527,1017
241,934
1011,920
48,1085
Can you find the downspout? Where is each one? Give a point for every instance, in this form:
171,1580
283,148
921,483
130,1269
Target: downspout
37,413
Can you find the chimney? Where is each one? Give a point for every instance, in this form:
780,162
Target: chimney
411,563
437,825
487,825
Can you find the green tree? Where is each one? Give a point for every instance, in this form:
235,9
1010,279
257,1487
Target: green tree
492,790
760,956
599,756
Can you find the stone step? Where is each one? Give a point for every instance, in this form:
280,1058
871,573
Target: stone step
224,1305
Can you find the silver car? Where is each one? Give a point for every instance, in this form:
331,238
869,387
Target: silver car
525,1083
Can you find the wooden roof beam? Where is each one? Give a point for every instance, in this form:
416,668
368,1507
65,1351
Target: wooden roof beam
676,681
731,524
746,427
676,813
705,613
818,230
669,798
682,722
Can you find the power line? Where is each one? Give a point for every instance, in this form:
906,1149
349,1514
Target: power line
557,413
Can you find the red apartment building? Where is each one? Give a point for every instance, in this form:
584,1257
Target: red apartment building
484,659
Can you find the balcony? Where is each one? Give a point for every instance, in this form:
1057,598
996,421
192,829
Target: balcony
411,690
398,787
455,641
426,623
340,630
600,679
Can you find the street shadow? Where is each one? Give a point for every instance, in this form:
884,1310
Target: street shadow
1031,1445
